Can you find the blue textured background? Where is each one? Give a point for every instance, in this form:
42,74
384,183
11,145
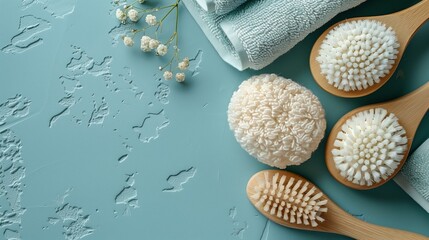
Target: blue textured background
93,145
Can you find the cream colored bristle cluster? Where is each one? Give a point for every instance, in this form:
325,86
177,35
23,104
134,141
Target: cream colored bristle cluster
369,147
355,55
290,200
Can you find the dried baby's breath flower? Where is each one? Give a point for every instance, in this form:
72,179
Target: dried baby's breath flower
133,15
186,61
120,15
161,50
144,44
153,43
129,42
183,65
180,77
159,42
168,75
151,19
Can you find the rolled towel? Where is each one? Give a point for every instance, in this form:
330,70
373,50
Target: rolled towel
259,31
414,176
220,6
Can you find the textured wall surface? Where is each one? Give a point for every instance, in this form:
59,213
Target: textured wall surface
94,145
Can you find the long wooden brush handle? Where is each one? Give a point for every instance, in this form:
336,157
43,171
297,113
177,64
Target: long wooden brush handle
418,98
340,222
374,232
358,229
410,108
412,18
417,14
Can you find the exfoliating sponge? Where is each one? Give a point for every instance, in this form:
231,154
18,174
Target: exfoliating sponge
276,120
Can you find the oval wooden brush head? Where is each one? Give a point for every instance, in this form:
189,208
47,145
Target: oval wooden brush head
409,109
292,201
287,199
405,23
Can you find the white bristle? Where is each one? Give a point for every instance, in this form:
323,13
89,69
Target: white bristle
290,200
375,150
355,55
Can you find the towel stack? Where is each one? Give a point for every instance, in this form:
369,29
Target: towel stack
253,33
414,176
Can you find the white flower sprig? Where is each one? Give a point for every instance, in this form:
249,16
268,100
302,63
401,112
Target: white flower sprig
132,13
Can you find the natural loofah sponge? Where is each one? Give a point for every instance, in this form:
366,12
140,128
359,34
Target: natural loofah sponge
276,120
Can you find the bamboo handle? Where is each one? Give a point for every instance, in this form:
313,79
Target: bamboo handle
374,232
418,13
410,108
414,16
408,21
424,92
340,222
418,98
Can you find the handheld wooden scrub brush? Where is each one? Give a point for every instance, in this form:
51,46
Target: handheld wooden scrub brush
290,200
369,145
357,56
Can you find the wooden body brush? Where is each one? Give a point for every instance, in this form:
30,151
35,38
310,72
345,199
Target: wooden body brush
361,56
350,159
290,200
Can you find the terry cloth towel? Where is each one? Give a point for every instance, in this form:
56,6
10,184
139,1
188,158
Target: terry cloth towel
259,31
414,176
220,6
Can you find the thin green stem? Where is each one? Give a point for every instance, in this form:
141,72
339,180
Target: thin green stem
147,10
135,31
171,38
173,6
132,4
168,13
169,63
177,24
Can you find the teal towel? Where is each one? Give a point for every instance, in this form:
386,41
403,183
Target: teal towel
257,32
220,6
414,176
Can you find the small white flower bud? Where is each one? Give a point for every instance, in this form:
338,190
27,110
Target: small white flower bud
168,75
153,43
180,77
133,15
120,15
151,19
144,44
161,50
183,65
129,42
